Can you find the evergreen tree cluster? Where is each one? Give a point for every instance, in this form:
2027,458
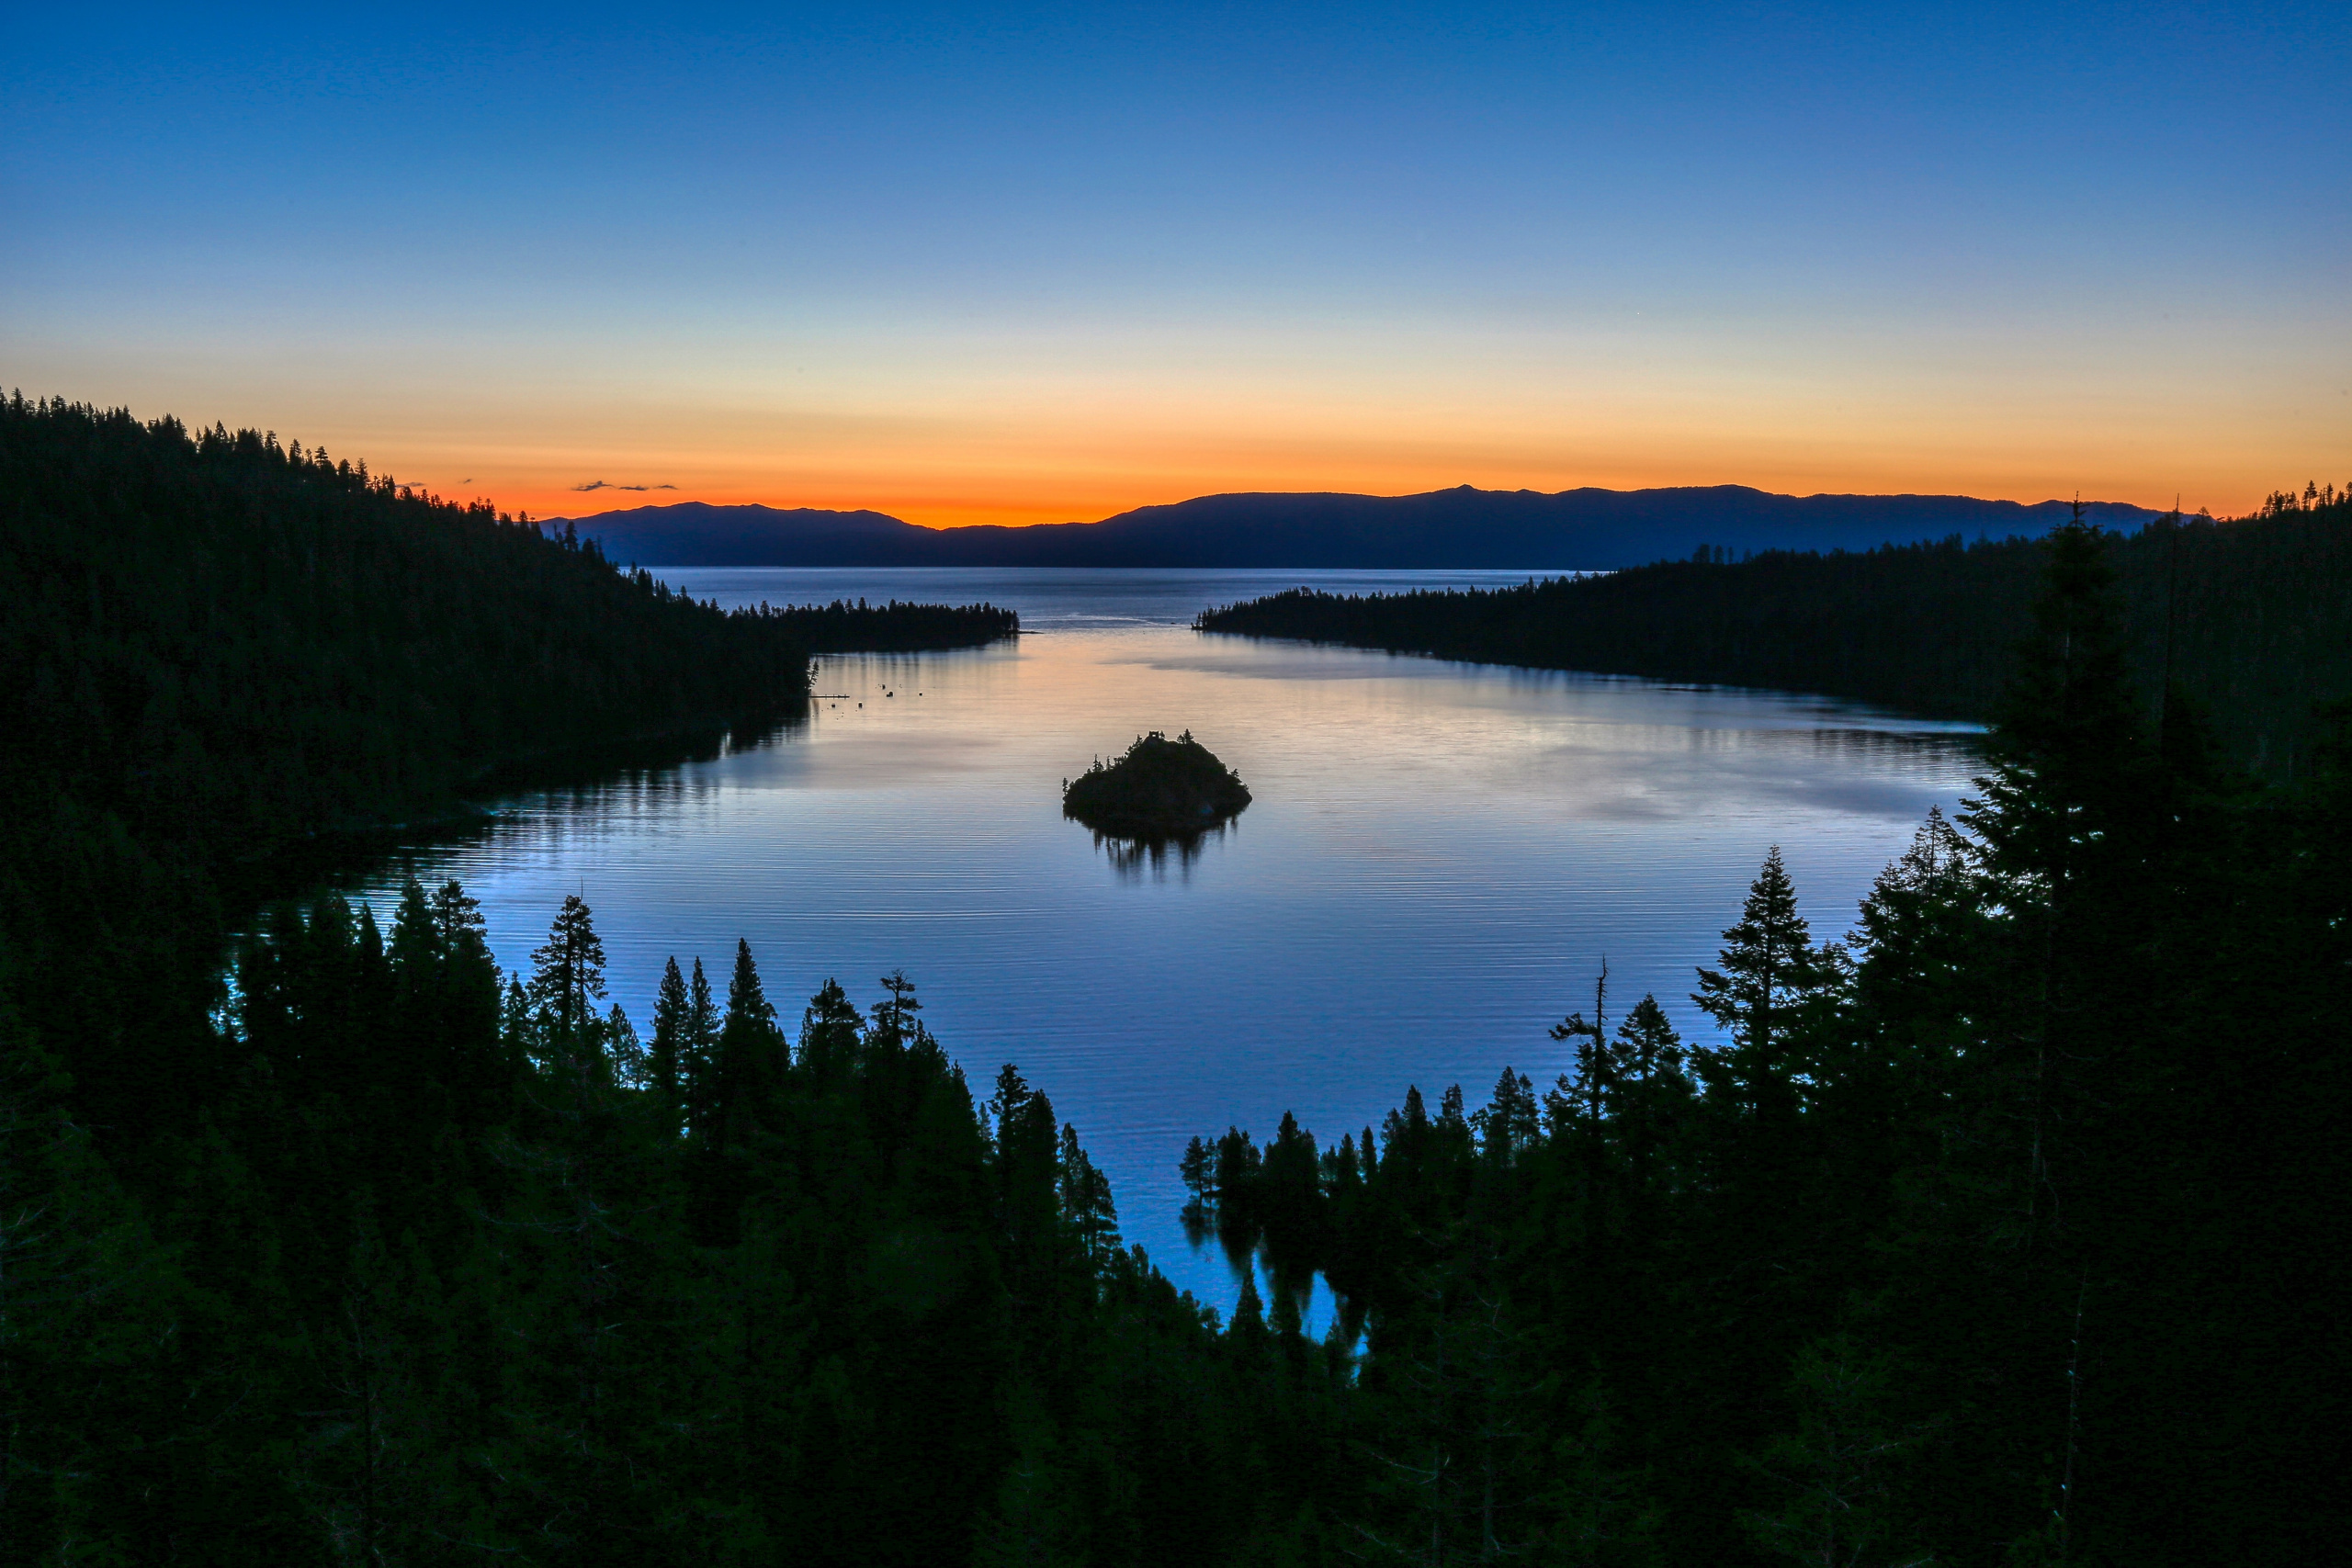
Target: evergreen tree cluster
212,636
897,627
213,646
2252,619
2004,1231
457,1266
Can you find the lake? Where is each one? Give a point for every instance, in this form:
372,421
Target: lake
1439,859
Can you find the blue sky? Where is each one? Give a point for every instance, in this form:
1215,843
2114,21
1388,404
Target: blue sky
1014,266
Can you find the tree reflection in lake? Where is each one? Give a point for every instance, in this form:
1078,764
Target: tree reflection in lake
1134,859
1437,854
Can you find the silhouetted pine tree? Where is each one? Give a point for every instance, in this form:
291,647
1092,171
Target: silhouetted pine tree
1771,978
668,1052
568,973
699,1062
752,1055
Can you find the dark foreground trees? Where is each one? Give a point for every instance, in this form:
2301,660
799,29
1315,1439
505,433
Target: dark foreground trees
2002,1231
445,1273
1994,1236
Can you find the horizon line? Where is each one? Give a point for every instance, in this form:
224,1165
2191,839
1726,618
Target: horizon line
1365,495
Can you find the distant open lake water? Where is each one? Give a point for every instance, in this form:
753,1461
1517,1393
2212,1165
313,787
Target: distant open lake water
1439,857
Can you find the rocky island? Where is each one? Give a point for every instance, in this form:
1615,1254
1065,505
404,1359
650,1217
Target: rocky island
1160,789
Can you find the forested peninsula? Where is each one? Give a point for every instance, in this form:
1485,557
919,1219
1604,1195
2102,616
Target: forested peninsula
2251,620
213,645
2000,1231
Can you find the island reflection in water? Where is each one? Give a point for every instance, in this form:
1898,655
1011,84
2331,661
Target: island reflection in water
1438,859
1133,858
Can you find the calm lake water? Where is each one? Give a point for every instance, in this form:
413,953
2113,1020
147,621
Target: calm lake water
1439,858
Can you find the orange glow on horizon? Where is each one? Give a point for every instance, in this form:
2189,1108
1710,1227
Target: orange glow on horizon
1046,501
957,453
1040,458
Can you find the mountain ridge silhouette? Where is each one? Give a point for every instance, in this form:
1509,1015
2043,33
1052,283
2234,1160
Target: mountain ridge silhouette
1588,528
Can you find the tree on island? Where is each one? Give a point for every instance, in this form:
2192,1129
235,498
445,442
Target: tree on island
1160,789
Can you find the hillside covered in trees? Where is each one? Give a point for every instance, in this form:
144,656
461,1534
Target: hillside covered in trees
2250,619
1990,1233
446,1270
2001,1232
213,646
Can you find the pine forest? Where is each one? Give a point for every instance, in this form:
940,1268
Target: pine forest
1994,1222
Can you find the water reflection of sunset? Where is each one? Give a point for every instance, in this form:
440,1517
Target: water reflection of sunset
1436,856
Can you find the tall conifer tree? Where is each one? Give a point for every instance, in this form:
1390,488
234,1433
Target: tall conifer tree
830,1028
568,969
751,1051
1771,971
669,1019
698,1061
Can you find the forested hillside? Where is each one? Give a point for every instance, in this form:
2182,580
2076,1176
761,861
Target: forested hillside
445,1274
2001,1233
2251,619
1993,1234
211,644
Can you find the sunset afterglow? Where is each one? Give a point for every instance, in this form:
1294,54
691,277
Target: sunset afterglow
998,268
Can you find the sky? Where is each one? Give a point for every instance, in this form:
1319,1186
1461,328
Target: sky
966,266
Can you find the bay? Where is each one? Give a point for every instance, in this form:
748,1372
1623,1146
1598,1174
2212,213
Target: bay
1439,859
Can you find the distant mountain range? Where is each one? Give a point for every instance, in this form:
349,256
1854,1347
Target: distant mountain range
1575,529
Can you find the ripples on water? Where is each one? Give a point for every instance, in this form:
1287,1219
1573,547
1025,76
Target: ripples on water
1437,859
